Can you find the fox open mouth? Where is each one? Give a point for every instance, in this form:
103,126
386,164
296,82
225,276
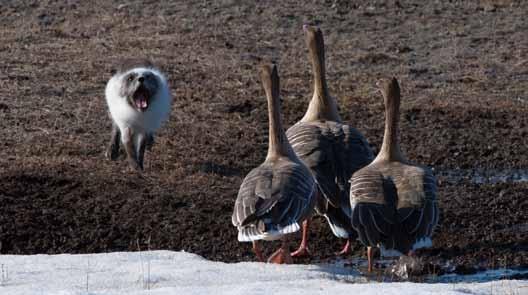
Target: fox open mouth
141,99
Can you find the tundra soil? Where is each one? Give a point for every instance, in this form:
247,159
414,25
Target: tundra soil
463,68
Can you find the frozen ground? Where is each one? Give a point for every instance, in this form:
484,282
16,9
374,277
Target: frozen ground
165,272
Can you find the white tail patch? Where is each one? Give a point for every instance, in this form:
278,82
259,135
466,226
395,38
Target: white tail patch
250,234
389,252
246,236
337,230
290,228
422,243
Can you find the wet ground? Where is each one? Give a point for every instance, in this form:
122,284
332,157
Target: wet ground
463,68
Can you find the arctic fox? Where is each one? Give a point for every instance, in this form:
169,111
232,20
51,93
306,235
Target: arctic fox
139,101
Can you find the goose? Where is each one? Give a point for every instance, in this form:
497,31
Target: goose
393,201
331,149
277,196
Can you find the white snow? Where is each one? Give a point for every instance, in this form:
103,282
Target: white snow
165,272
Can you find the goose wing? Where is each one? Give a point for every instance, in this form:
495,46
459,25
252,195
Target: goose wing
417,206
332,151
273,199
372,199
256,186
351,154
314,145
356,151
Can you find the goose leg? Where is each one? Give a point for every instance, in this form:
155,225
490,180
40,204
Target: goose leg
345,250
303,250
369,257
283,255
258,252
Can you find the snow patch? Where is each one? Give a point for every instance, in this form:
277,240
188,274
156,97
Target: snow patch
249,235
183,273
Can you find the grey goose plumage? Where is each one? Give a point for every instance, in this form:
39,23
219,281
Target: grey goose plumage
278,195
332,150
393,201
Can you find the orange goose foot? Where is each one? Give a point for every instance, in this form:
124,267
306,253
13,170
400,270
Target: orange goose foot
303,251
281,256
345,250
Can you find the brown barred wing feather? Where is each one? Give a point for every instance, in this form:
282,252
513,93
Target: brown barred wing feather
273,200
371,197
314,146
417,206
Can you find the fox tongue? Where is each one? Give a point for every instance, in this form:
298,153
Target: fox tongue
141,102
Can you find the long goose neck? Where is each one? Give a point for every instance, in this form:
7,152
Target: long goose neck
390,149
278,142
322,106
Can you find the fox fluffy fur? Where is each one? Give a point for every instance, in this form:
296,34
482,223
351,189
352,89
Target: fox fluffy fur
139,101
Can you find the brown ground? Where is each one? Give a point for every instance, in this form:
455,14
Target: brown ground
463,67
